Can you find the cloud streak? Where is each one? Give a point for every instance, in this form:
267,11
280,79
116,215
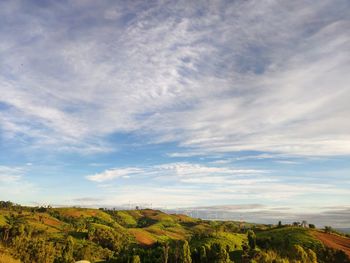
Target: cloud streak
10,174
14,184
191,184
204,76
113,174
185,171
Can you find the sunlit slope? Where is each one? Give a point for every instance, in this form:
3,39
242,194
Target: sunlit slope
285,237
145,226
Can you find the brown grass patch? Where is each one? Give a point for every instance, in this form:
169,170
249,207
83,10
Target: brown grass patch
142,236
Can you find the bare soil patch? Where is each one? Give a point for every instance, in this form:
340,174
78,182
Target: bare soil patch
334,241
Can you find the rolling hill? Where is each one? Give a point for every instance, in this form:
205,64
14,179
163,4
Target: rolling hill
46,234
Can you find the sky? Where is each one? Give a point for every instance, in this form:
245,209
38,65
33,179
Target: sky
175,104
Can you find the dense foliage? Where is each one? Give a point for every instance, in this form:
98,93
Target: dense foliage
65,235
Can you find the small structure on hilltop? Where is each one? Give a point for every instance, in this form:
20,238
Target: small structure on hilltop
304,224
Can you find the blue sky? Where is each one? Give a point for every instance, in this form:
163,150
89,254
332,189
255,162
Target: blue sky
177,104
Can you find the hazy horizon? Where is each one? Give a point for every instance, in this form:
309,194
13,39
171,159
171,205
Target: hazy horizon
235,105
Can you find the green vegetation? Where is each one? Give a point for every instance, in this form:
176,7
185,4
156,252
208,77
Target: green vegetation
286,237
65,235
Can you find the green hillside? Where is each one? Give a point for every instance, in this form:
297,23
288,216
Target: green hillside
38,234
288,236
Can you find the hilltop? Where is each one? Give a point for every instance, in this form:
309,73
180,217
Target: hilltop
46,234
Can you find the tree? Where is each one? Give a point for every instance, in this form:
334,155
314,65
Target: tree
279,224
299,254
165,253
67,253
91,231
6,204
15,227
109,238
270,256
135,259
312,226
218,254
203,254
185,255
251,239
312,256
328,229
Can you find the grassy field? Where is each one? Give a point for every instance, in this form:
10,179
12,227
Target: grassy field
144,226
5,256
291,236
2,220
126,219
143,237
148,226
232,240
85,212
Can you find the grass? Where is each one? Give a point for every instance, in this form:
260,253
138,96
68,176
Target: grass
2,220
158,227
157,215
142,236
5,258
85,212
40,226
164,233
294,235
185,218
45,222
96,225
146,227
126,219
135,214
49,220
233,240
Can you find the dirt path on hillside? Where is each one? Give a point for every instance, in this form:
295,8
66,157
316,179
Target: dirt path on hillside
334,241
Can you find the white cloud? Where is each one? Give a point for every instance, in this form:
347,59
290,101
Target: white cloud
192,192
185,171
113,174
10,174
186,184
239,76
193,170
220,180
14,184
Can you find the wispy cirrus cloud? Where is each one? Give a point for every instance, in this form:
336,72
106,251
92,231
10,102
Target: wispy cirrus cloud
10,174
185,171
14,184
163,185
204,76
